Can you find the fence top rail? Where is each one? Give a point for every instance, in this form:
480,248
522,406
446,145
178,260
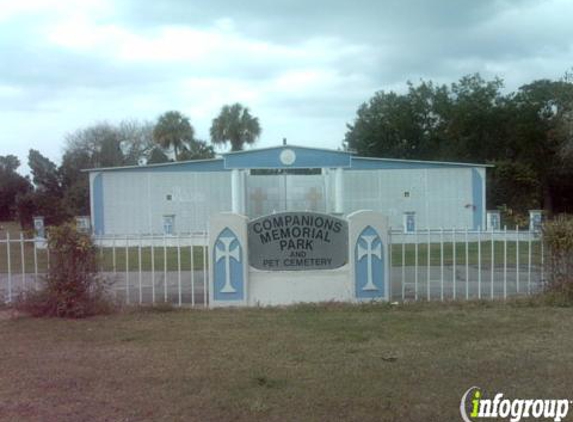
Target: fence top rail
460,230
149,236
18,239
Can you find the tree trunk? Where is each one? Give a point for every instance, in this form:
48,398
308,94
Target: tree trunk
547,198
236,145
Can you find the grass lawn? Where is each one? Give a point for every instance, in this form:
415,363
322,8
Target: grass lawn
307,363
10,227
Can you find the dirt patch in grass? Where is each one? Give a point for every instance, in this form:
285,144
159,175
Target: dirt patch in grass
307,363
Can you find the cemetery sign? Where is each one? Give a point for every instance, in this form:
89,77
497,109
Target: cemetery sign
297,241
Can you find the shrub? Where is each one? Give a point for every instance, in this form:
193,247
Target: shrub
558,237
72,288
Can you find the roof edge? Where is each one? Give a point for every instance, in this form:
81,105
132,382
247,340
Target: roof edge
169,164
403,160
287,146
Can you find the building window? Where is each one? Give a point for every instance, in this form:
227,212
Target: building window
409,222
169,197
406,194
169,224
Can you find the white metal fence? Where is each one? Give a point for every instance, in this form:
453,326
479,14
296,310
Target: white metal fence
450,264
445,264
153,269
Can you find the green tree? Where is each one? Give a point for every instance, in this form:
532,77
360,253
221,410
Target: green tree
47,197
477,120
236,125
12,184
197,150
463,122
136,140
542,111
406,125
45,174
173,131
157,156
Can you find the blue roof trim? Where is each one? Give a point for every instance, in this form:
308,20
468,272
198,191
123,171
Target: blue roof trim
366,163
269,158
199,165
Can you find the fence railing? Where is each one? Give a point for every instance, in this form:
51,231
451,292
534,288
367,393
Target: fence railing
450,264
152,269
444,264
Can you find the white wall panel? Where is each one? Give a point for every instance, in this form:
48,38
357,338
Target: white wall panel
439,197
137,202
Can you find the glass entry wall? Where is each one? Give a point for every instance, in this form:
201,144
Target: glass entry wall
269,191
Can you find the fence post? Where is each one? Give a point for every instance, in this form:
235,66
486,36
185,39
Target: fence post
505,262
542,281
35,263
164,267
492,263
517,257
403,268
442,263
192,268
390,247
99,244
205,284
467,266
8,260
454,262
127,269
428,266
48,252
529,263
23,260
416,265
152,252
179,268
113,255
479,262
139,270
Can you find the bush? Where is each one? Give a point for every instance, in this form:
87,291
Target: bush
558,238
72,288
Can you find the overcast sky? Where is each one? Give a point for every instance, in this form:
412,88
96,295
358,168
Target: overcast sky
303,67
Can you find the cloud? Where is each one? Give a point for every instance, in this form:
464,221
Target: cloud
303,67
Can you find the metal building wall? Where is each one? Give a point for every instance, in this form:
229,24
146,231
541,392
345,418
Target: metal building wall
136,202
131,202
439,197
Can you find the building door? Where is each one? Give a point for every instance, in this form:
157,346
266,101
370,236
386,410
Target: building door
268,192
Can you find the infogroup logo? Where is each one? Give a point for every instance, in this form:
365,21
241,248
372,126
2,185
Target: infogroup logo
475,406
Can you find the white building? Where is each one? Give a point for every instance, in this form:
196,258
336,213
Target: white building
179,197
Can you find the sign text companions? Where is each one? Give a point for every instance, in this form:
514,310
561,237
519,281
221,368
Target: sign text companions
296,241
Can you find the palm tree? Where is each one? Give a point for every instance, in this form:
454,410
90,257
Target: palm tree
173,130
235,125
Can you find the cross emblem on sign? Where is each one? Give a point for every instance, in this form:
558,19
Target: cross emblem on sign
314,196
258,197
227,253
367,252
